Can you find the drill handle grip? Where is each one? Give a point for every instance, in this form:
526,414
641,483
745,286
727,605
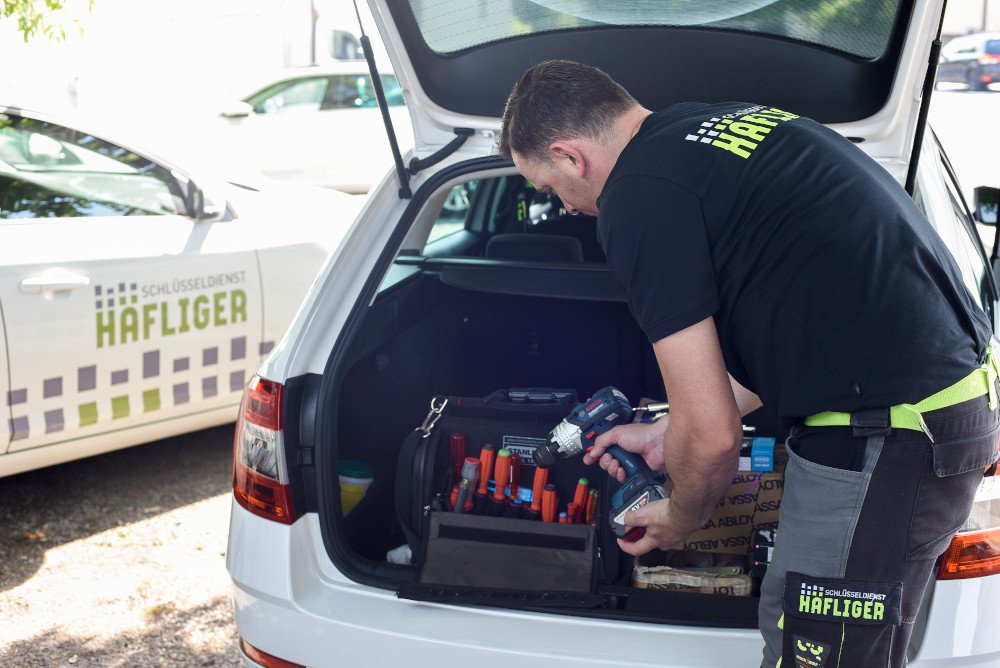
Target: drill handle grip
635,465
631,462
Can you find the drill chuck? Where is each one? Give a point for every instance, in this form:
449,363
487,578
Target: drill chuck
580,429
564,441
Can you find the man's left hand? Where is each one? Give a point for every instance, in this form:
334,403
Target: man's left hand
660,534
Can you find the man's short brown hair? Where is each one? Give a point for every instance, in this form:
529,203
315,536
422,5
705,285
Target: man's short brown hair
559,99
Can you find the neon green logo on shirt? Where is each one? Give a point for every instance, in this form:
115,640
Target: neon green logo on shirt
740,132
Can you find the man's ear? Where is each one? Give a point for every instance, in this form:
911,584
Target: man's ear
569,157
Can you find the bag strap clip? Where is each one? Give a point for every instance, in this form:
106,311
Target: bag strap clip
437,406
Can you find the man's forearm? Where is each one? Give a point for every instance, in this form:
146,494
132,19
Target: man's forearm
704,467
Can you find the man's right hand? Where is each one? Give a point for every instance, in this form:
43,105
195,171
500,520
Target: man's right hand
643,439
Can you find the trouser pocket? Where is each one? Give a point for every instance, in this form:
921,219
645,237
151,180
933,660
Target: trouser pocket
819,509
838,622
948,487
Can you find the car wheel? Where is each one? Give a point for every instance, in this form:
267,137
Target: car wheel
974,82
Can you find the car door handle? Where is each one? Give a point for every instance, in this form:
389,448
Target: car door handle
36,285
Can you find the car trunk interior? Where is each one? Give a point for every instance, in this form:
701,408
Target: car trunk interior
466,326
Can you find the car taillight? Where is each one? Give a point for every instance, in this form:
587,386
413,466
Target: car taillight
265,659
975,551
260,478
989,59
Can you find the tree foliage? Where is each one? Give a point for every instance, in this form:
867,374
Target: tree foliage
41,18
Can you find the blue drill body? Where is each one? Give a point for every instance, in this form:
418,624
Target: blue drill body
607,408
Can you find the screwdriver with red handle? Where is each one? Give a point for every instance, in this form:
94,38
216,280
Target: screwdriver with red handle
513,506
457,448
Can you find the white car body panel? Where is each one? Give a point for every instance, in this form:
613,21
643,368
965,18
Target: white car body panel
137,340
963,621
20,461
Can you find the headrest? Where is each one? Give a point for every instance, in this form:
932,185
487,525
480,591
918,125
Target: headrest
535,248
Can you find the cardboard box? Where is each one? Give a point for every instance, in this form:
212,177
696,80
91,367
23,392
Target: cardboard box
752,501
660,570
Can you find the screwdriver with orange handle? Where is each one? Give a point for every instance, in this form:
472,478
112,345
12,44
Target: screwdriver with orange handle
590,515
501,474
580,499
485,471
550,503
537,490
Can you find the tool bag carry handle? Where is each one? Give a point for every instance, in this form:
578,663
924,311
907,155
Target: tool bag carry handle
423,467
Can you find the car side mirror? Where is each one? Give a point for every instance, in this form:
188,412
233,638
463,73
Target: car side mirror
985,200
206,208
201,208
238,109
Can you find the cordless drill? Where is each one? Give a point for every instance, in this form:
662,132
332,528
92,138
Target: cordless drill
607,408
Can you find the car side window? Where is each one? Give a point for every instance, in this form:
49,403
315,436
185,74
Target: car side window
57,172
455,212
975,269
940,199
355,91
297,95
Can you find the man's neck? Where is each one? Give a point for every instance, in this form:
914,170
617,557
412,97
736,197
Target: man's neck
626,128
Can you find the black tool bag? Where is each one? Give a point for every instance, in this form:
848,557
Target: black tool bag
473,555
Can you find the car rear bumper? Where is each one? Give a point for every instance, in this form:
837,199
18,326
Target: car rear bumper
291,602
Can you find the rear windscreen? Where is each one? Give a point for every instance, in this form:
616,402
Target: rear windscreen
993,47
858,27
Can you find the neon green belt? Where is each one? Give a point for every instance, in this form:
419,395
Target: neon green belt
910,416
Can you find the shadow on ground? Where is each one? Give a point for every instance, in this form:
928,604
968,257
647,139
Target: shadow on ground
42,509
169,639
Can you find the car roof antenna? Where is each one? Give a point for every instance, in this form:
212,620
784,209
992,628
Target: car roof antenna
366,46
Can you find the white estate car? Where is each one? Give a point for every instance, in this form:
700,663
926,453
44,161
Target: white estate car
319,126
419,302
136,300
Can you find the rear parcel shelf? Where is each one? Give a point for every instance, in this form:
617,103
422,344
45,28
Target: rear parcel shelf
586,280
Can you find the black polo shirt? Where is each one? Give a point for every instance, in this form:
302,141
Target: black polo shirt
830,289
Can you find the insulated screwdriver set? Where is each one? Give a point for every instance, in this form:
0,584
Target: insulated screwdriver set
469,492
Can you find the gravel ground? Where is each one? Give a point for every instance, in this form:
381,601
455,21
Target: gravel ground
119,560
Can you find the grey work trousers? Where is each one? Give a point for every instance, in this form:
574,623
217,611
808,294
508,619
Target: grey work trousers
865,514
